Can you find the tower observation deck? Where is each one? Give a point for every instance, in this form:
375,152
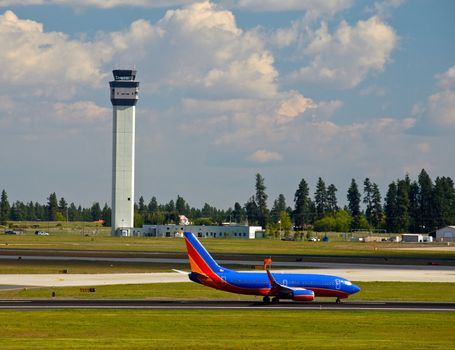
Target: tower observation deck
124,91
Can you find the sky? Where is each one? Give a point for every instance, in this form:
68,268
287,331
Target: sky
290,89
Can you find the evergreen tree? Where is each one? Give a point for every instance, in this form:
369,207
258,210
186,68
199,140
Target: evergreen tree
426,203
368,199
332,203
279,205
141,207
4,208
320,199
153,205
180,206
62,205
238,213
52,207
354,204
402,205
444,194
106,215
252,211
377,213
302,202
414,207
390,208
261,201
95,212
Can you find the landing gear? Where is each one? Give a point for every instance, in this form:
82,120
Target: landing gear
275,300
338,301
266,300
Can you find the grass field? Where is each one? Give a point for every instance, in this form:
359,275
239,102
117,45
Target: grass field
398,291
260,246
230,329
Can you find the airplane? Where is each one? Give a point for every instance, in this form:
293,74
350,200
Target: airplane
272,287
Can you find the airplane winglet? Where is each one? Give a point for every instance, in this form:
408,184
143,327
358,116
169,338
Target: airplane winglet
267,263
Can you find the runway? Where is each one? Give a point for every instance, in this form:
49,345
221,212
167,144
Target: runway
220,305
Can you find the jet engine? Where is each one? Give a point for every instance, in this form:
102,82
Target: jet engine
302,295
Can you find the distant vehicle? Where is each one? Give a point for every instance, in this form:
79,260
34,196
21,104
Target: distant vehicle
288,239
41,233
272,287
313,239
10,232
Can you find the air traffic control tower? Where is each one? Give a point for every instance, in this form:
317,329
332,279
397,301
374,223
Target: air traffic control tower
124,96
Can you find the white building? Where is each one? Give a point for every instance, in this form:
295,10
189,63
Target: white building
229,231
416,238
124,95
446,234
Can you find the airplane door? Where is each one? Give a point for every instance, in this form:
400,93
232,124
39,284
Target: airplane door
337,283
285,282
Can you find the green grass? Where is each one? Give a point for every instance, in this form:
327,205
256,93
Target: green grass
71,266
230,329
399,291
260,246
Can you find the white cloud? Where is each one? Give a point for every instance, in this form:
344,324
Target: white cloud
49,61
200,48
315,8
384,8
264,156
81,111
446,80
344,58
98,3
442,108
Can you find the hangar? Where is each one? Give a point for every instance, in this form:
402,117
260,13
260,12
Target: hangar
446,234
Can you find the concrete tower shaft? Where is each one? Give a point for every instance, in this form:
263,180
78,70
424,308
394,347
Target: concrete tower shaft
124,96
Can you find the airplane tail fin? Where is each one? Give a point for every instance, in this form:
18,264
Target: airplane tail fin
200,260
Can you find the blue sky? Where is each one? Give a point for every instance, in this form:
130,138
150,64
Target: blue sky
290,89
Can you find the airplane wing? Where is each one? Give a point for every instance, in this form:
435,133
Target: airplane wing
295,293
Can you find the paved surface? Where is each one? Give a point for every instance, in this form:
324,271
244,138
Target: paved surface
353,272
221,305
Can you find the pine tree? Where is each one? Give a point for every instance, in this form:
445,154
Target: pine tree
320,199
302,205
180,206
332,202
368,199
426,202
444,194
238,214
106,215
261,201
279,205
52,207
4,208
354,204
95,212
414,207
402,205
390,208
153,205
377,213
252,211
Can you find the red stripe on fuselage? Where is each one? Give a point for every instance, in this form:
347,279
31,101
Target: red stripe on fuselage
324,292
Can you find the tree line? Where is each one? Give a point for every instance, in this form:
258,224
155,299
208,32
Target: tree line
408,206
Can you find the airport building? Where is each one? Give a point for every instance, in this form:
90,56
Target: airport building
226,231
446,234
124,95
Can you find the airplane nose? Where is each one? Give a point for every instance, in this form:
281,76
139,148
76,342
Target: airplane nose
355,289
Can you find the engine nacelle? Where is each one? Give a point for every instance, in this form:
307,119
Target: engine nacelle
303,295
